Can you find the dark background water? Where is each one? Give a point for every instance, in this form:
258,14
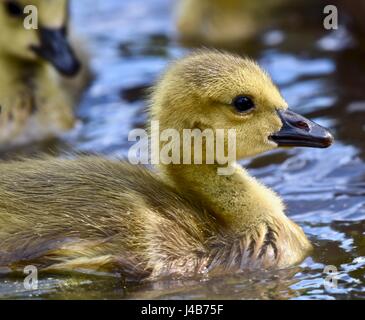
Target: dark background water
321,74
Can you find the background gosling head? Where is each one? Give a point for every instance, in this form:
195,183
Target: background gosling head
217,90
47,43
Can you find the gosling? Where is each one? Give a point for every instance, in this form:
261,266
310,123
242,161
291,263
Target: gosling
90,214
222,23
40,72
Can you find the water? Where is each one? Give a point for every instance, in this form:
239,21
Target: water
320,73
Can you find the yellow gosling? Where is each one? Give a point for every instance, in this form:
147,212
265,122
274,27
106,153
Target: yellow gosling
91,214
38,69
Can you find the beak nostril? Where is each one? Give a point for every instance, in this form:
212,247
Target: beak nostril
302,125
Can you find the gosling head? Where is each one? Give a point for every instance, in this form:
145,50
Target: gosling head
47,43
217,90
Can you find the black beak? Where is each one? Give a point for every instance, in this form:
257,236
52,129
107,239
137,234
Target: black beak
55,48
298,131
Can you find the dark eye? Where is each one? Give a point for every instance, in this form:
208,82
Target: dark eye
243,104
13,9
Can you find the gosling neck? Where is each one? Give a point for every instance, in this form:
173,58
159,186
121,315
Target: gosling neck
238,201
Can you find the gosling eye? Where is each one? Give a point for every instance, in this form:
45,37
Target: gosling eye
13,9
243,104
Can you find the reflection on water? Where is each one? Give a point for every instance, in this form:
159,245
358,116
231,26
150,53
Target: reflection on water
320,73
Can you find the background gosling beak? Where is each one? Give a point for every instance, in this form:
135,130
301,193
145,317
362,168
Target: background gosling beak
55,48
298,131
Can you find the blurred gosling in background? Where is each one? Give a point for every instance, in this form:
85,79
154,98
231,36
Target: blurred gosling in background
38,69
222,22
